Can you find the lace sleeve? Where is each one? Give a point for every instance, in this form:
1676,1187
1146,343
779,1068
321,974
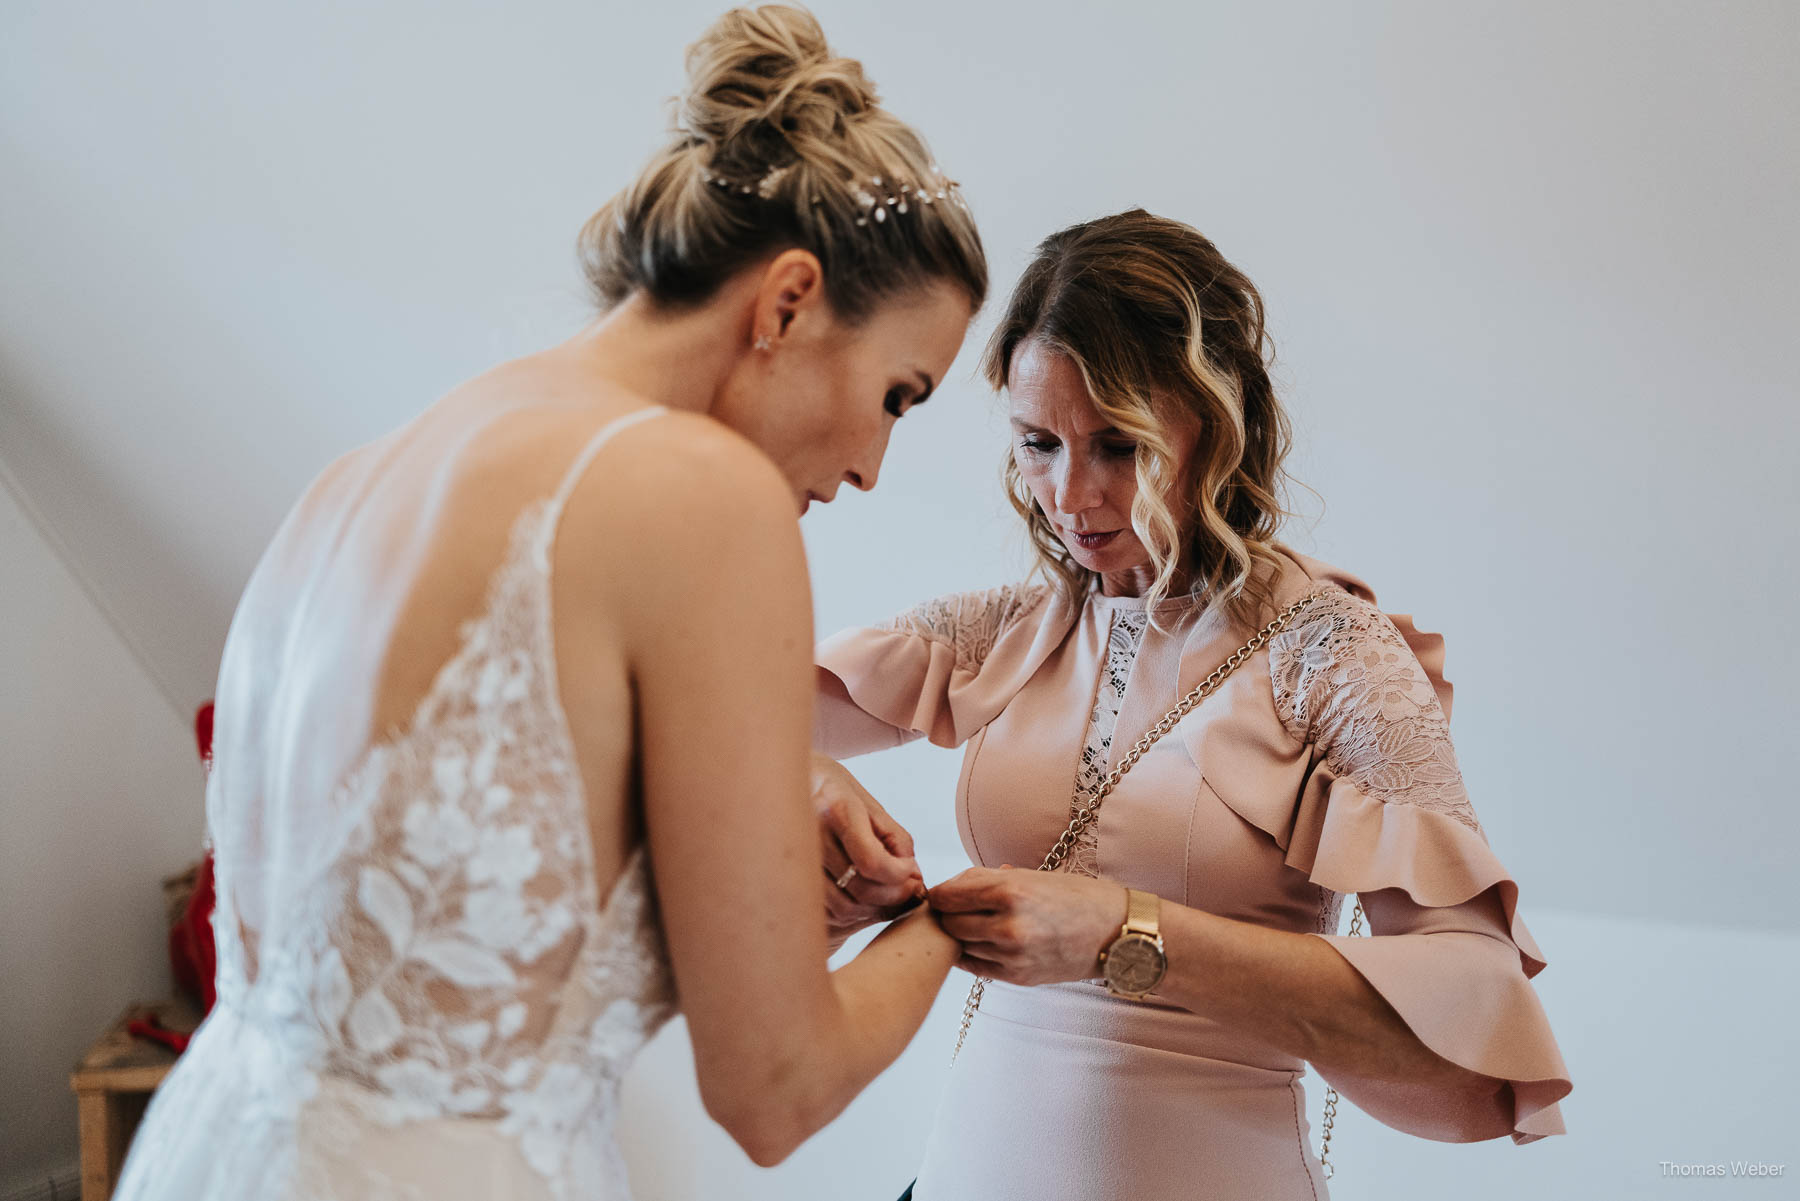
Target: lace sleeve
943,670
969,623
1346,681
1449,953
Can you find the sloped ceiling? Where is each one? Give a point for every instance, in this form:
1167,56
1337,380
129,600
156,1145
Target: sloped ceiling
1531,271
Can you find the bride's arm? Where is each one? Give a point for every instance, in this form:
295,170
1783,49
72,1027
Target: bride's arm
710,601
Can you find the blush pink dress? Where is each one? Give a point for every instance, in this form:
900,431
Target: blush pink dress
1322,767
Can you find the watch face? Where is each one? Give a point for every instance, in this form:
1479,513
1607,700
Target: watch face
1134,964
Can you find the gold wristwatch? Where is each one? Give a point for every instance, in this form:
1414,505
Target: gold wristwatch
1134,963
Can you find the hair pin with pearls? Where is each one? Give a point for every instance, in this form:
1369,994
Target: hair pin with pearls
902,198
905,196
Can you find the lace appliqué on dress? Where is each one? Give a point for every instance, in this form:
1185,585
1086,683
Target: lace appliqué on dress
1345,680
430,944
968,622
1123,641
462,963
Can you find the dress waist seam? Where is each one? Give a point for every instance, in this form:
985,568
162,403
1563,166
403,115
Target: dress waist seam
1289,1071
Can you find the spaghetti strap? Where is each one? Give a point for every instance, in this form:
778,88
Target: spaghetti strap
586,457
553,507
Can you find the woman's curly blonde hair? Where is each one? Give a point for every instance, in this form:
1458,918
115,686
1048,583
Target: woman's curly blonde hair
1167,335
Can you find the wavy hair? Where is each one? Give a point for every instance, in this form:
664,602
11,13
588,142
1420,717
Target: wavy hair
1167,335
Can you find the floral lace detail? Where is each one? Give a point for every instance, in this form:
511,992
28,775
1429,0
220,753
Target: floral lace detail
439,949
1124,639
1331,905
1345,680
463,964
969,622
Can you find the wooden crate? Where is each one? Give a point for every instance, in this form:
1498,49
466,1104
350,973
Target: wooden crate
112,1085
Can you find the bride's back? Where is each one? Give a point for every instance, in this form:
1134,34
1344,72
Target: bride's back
358,599
415,854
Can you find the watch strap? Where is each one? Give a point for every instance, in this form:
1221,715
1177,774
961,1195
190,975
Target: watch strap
1143,913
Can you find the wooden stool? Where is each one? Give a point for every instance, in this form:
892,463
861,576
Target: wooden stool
113,1083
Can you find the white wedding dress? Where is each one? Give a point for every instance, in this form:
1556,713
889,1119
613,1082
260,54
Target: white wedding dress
421,991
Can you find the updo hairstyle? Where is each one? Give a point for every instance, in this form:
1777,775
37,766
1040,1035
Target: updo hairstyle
781,144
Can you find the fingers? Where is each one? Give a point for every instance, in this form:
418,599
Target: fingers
858,893
985,929
848,820
859,889
865,891
841,909
859,886
845,914
977,966
977,890
893,835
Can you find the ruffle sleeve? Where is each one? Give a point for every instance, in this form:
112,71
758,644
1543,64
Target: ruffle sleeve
941,670
1384,814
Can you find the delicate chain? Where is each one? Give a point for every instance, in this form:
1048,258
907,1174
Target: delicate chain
1086,814
1331,1094
1331,1100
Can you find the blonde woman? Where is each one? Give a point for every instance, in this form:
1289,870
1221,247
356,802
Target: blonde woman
514,713
1155,999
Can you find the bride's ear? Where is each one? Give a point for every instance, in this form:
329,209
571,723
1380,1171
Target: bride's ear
793,288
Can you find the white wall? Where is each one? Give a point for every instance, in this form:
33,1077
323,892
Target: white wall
1530,268
99,799
1532,272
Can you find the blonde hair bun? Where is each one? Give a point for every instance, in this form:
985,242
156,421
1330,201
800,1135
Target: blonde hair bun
769,71
779,143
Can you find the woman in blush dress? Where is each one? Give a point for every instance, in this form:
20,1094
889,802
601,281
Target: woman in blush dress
1155,999
513,715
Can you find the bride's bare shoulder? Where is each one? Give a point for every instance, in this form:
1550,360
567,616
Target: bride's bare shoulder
677,507
538,409
679,468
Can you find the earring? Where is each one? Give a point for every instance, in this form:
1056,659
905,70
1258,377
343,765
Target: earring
764,342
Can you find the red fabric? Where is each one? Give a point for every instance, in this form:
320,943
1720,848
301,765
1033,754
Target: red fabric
191,950
203,723
156,1032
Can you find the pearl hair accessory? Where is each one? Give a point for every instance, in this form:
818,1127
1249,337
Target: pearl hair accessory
906,195
901,198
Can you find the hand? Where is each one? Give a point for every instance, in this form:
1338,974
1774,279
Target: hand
855,831
1028,927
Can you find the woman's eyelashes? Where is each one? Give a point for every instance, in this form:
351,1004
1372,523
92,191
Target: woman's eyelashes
1048,446
896,400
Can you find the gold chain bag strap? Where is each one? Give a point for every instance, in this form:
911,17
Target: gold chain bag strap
1086,813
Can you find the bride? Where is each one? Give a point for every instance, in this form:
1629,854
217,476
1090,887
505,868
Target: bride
515,712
